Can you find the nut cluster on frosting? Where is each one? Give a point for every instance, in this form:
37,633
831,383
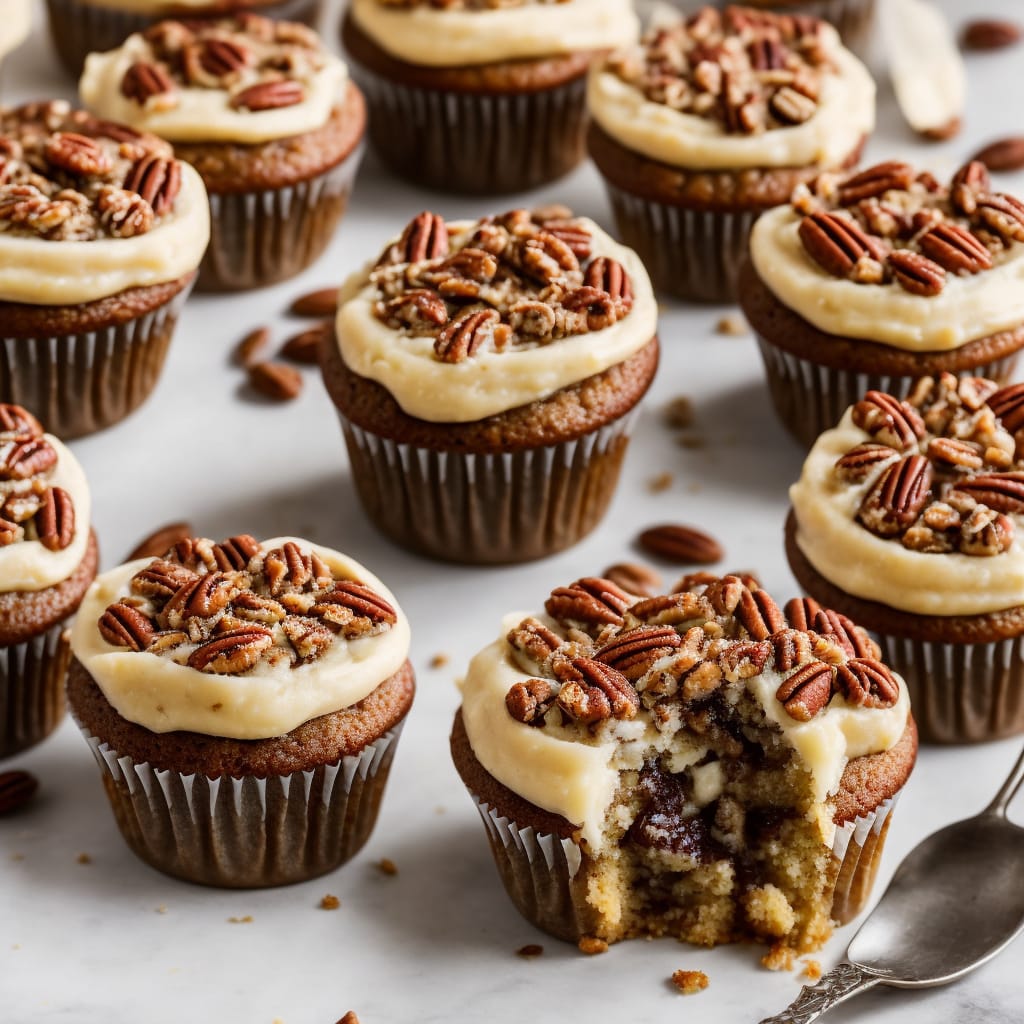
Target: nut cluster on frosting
615,653
522,278
889,223
228,608
30,509
68,176
262,64
749,70
945,466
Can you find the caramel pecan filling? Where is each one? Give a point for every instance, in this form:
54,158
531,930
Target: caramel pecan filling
229,608
748,70
523,278
946,466
30,509
260,63
68,176
889,223
612,654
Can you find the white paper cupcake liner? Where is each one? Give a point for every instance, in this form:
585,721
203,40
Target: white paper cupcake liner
249,832
477,508
858,848
32,689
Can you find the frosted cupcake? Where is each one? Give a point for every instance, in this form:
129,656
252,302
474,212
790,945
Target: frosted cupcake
47,560
702,764
266,116
243,701
712,120
479,97
101,232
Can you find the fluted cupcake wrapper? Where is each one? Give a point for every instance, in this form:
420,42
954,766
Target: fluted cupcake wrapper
545,876
80,383
262,237
487,509
81,27
689,253
961,693
32,689
249,832
853,18
810,398
475,143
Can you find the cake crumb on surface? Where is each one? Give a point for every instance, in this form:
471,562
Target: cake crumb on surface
591,946
778,958
84,858
17,856
812,970
529,951
659,483
240,920
162,909
330,902
387,866
734,326
439,661
692,441
679,412
689,982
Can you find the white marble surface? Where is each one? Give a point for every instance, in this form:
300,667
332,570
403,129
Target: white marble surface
114,941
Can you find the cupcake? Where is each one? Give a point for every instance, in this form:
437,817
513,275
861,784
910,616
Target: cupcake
855,19
710,121
701,764
81,27
905,519
243,701
265,115
486,374
479,97
101,232
47,561
14,27
876,279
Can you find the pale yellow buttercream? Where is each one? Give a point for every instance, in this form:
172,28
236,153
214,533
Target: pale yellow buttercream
270,700
61,273
27,565
844,115
15,22
490,382
444,37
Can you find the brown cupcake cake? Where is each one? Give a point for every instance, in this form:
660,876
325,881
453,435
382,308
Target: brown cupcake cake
702,764
905,519
855,19
477,97
873,280
243,702
486,373
47,561
266,116
101,231
710,121
81,27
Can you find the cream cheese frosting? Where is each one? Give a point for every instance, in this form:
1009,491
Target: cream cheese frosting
845,114
206,114
968,307
15,25
29,566
466,37
270,700
491,382
44,272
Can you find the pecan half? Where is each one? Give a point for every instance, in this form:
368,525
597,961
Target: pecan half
530,701
597,692
791,647
309,639
916,273
77,154
989,34
269,95
950,453
969,183
18,421
546,257
162,579
26,457
800,612
985,533
233,652
672,609
790,106
254,608
598,305
274,380
610,276
1003,492
534,641
425,238
125,626
635,578
867,683
574,235
887,419
744,659
143,80
236,552
55,520
955,249
853,640
874,181
464,336
224,58
1003,154
1002,214
837,243
157,179
680,544
861,461
356,608
807,691
1008,405
203,598
758,614
590,601
419,306
896,500
725,593
634,652
10,532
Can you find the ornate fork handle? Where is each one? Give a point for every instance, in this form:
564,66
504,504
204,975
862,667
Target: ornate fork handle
836,987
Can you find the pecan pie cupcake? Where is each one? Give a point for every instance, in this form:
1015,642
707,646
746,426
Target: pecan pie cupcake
266,116
905,518
486,374
710,121
101,231
701,764
876,279
855,19
81,27
479,97
243,701
47,560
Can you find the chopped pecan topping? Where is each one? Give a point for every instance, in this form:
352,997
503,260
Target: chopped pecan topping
534,641
791,647
1002,214
970,182
634,652
672,610
896,500
465,336
890,421
356,608
589,602
861,461
807,691
77,154
596,692
529,702
233,652
123,625
868,683
162,578
610,276
1008,405
22,458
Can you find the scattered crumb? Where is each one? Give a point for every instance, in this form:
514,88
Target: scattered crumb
17,856
778,958
330,902
241,920
530,951
691,441
440,810
386,866
349,1018
659,483
162,909
812,969
84,858
679,412
591,946
439,661
689,982
734,326
17,945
